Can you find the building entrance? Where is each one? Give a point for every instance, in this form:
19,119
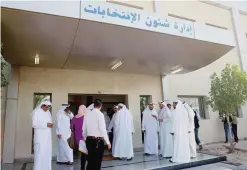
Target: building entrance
109,100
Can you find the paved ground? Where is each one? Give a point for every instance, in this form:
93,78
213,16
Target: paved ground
140,162
242,145
238,157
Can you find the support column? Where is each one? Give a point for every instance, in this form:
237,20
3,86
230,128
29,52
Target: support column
241,45
167,95
134,107
11,115
240,39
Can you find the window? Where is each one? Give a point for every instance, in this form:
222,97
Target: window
239,112
37,99
197,104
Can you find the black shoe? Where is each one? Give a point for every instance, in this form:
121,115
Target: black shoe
200,147
169,157
69,163
117,158
226,142
147,154
170,161
61,163
129,159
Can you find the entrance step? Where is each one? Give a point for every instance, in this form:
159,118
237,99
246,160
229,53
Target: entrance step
139,162
219,166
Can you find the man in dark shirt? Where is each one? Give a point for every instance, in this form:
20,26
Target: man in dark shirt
197,126
226,126
234,127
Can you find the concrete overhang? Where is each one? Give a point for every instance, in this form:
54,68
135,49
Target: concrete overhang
90,43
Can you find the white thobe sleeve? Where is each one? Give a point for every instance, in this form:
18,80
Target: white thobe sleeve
37,122
161,114
168,115
143,121
102,128
190,118
111,125
189,121
132,124
107,121
173,123
198,116
84,127
71,115
58,125
158,126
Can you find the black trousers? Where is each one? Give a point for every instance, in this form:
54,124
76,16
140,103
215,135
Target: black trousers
111,137
95,149
83,161
235,132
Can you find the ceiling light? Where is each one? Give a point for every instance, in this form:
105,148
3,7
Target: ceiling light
177,70
36,59
117,65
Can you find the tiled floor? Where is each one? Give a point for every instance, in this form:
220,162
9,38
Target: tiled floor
139,162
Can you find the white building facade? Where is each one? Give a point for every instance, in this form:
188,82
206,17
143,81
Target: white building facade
79,45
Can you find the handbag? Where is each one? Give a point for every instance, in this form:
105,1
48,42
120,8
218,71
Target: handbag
71,141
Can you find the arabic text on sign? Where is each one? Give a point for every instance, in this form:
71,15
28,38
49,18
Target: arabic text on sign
113,13
136,18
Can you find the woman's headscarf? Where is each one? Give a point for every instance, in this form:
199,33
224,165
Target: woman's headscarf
81,111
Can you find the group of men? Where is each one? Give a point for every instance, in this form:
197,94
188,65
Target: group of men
42,124
175,129
121,123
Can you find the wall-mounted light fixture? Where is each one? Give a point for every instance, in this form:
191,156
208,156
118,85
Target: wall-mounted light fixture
36,59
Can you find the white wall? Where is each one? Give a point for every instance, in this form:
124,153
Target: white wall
241,5
197,83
